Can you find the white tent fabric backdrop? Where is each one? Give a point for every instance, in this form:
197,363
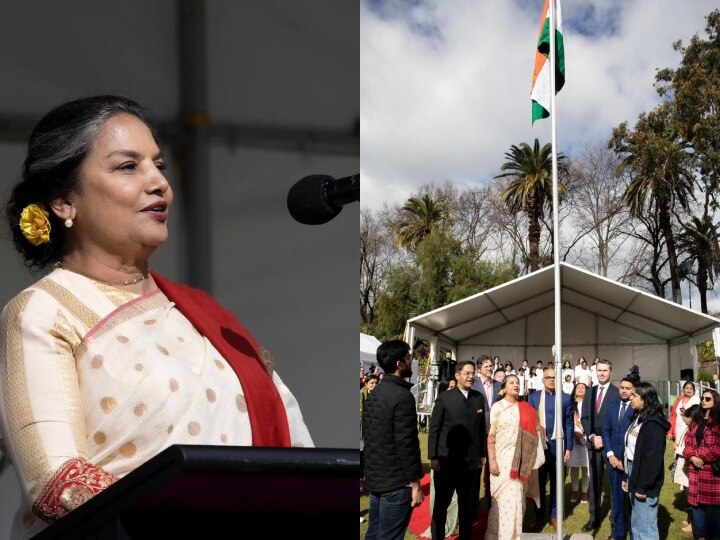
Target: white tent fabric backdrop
368,348
600,317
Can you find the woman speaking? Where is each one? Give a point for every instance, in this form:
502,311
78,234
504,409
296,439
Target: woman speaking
105,363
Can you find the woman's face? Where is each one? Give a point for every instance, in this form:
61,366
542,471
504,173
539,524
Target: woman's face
121,207
512,386
689,390
636,402
707,401
579,391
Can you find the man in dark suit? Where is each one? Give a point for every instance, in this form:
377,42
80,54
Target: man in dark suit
456,449
544,402
491,388
594,409
616,423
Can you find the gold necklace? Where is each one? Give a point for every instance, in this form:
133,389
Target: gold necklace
143,276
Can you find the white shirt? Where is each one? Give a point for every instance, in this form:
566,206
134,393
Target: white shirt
631,440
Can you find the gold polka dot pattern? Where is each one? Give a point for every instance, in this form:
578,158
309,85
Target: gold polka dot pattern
240,403
123,339
108,404
194,428
128,450
174,385
99,437
97,361
140,409
210,393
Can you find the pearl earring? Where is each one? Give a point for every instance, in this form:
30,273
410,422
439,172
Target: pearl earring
68,223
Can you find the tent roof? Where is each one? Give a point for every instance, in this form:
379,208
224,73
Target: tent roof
524,296
368,348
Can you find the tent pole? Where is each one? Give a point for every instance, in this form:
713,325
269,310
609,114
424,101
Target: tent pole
559,470
194,155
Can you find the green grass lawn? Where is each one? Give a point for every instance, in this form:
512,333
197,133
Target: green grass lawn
670,512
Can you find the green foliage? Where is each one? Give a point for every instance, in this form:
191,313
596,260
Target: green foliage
706,351
423,215
443,272
530,189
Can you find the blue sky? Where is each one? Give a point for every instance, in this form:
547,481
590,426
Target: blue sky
445,84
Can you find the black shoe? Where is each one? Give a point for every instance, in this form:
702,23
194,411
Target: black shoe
590,526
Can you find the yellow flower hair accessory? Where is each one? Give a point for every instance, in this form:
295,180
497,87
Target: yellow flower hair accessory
34,224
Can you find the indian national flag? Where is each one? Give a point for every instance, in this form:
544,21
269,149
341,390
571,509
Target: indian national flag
541,74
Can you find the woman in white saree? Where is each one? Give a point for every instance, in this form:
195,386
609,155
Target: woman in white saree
105,364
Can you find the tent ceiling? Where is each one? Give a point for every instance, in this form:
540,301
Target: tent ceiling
527,295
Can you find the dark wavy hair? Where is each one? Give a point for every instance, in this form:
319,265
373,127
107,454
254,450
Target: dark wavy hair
699,415
648,394
444,384
56,150
572,394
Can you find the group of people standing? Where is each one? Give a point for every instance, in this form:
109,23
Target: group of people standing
482,432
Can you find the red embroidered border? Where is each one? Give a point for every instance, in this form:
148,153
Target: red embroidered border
75,482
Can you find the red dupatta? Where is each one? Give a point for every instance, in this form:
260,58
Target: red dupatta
268,418
526,446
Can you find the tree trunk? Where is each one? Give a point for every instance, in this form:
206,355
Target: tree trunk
534,232
702,276
666,227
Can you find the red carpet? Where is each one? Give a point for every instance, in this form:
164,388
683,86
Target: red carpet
420,520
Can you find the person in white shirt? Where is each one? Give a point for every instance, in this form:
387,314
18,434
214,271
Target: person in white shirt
593,371
567,369
568,386
523,378
582,373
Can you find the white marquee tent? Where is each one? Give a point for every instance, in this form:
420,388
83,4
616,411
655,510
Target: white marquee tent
600,317
368,348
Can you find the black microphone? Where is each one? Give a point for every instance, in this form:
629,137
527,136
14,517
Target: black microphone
318,198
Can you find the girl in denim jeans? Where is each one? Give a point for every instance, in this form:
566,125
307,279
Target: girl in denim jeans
644,454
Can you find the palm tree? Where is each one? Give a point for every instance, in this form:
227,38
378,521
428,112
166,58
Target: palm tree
530,188
659,179
426,214
699,241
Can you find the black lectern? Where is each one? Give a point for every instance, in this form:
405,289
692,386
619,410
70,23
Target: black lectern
207,492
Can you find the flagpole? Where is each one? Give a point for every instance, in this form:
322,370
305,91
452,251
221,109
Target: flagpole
559,444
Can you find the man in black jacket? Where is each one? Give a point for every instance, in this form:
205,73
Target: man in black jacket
457,449
392,450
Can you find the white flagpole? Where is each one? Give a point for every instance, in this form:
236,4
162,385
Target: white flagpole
559,444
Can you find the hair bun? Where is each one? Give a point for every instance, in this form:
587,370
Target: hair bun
633,373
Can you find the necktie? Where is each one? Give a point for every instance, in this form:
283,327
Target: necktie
598,402
622,412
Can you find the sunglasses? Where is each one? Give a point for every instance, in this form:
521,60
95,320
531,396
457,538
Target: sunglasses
707,398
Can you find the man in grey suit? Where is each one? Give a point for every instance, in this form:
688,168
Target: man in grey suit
491,388
594,408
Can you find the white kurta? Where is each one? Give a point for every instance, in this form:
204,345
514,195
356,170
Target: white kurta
92,372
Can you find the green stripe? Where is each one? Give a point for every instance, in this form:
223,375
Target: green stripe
544,48
538,112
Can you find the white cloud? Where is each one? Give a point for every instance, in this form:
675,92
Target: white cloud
445,87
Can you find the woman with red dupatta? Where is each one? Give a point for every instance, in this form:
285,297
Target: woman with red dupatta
513,458
104,364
